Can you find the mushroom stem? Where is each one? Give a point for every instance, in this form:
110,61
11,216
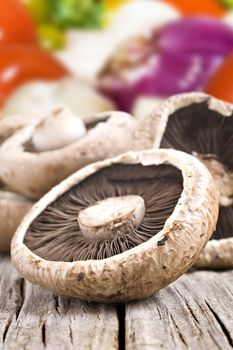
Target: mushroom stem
112,216
58,129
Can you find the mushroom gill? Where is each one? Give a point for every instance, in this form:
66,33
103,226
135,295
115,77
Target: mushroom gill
56,235
208,135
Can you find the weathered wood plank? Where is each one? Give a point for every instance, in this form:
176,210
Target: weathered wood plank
195,312
32,318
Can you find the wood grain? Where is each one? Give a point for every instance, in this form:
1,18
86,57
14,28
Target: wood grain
32,318
195,312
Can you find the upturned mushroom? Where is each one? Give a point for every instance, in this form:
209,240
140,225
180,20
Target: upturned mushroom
39,156
202,126
119,229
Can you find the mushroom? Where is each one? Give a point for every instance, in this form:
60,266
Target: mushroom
13,206
39,156
13,209
119,229
10,124
202,126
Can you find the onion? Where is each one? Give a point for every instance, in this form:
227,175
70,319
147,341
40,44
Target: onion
179,57
87,50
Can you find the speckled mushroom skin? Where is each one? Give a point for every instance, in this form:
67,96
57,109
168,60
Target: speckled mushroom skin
217,254
33,174
13,209
145,269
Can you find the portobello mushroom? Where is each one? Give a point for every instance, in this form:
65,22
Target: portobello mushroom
202,125
13,206
39,156
119,229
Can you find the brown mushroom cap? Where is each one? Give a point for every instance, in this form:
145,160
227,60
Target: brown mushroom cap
201,125
181,209
13,209
32,173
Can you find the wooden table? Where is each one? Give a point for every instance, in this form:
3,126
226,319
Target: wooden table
195,312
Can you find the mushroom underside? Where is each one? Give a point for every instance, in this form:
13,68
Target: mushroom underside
55,234
208,135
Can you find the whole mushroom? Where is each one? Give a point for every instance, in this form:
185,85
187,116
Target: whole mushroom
39,156
119,229
202,125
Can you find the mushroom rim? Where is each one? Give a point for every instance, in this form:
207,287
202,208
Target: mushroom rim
184,162
176,102
18,141
217,255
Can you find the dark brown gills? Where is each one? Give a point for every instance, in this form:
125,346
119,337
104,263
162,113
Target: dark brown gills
55,234
197,129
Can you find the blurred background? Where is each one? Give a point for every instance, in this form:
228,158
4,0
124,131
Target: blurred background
96,55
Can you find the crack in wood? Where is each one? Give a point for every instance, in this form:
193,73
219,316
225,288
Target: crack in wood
70,334
121,321
43,333
6,330
21,285
188,306
221,324
178,331
56,303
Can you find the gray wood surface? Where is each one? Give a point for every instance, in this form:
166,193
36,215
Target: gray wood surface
32,318
195,312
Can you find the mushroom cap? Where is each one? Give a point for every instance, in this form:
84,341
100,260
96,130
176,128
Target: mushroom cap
144,269
218,253
13,209
12,123
33,173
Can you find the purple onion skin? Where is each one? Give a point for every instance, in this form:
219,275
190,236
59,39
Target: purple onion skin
182,57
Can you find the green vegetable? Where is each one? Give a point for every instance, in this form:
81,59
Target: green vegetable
40,9
77,13
51,37
227,3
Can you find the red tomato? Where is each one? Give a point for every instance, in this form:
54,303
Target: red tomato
221,84
199,7
19,64
16,24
